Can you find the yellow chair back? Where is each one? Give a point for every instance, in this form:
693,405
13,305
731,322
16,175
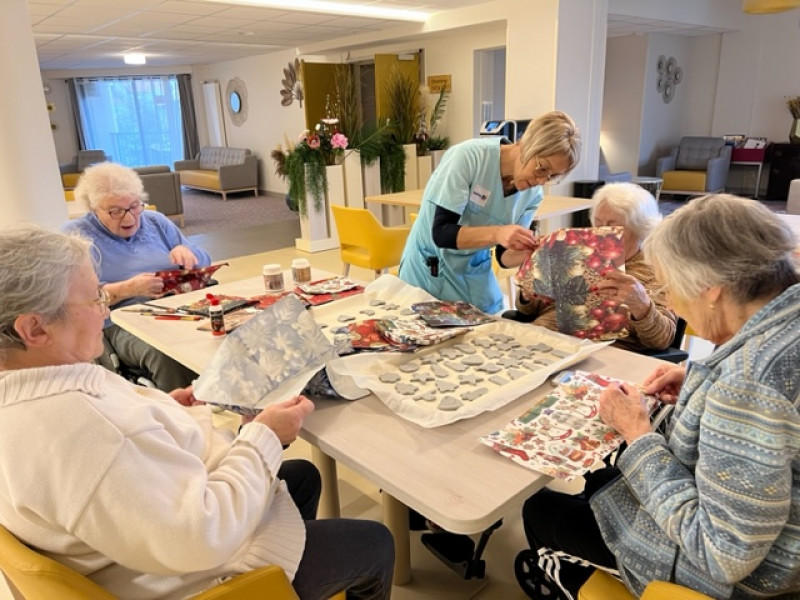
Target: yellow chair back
366,243
34,575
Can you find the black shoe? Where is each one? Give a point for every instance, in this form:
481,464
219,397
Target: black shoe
533,580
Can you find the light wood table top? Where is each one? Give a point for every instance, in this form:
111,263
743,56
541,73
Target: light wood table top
444,473
551,206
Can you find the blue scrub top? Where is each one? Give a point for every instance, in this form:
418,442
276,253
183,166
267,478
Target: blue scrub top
467,182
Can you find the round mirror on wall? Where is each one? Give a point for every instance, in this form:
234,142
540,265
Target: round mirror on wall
236,94
236,102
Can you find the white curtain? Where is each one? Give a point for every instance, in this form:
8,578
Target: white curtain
135,120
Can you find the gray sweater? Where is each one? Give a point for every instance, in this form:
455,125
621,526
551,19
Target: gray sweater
716,505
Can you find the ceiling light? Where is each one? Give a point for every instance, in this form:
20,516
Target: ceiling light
134,58
337,8
759,7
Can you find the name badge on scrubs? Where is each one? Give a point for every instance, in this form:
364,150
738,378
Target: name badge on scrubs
479,195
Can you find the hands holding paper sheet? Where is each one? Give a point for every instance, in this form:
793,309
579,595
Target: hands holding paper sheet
286,418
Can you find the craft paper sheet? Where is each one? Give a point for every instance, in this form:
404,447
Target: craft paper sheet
483,369
562,436
180,281
268,359
564,270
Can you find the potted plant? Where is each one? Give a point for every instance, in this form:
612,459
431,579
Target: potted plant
794,107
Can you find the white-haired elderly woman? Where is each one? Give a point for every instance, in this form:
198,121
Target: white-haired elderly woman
134,488
714,504
133,244
652,324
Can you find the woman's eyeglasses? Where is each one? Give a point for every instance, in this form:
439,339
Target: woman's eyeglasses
546,172
118,214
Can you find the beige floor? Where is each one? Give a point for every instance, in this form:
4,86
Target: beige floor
361,499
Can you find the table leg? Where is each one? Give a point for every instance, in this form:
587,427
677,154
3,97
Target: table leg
395,517
329,500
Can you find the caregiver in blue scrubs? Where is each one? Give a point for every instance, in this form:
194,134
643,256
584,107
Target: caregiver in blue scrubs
484,193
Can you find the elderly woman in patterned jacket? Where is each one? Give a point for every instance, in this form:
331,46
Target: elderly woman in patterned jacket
714,504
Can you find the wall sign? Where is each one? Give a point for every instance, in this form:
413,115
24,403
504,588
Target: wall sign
437,83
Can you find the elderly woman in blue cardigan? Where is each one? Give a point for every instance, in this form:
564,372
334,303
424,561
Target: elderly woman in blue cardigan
714,504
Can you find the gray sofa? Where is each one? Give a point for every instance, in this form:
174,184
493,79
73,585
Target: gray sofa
220,170
698,165
163,188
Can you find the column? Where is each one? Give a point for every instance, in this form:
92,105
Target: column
30,182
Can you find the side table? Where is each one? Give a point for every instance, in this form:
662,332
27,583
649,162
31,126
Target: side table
752,163
651,184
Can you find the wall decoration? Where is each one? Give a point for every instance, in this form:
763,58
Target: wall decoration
292,84
236,101
669,76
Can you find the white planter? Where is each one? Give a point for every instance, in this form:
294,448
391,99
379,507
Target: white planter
372,187
314,226
411,179
436,157
353,179
424,170
335,195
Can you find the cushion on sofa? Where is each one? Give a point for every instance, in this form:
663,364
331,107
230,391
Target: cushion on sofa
200,179
213,157
695,152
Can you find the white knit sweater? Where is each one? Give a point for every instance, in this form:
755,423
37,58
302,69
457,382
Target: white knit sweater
144,496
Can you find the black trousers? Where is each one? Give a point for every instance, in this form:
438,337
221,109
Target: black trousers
565,522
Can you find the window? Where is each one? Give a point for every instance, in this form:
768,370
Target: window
136,120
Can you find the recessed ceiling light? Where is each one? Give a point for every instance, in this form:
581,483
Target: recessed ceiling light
134,58
337,8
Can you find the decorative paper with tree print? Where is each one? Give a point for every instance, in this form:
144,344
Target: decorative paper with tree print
562,436
566,268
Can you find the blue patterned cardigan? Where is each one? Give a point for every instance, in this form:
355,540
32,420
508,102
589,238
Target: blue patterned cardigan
716,505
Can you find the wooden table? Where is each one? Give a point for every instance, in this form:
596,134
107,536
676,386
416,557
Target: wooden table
444,473
551,206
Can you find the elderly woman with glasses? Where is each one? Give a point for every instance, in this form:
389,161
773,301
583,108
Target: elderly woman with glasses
484,193
133,244
135,488
651,325
713,504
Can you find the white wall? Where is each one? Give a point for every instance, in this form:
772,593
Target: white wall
626,57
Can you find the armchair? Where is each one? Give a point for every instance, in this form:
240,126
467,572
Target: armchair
698,165
365,242
71,171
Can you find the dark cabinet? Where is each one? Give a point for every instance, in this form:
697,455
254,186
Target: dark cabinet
784,165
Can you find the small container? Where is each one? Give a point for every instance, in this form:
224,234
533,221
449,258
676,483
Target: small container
273,279
216,314
301,271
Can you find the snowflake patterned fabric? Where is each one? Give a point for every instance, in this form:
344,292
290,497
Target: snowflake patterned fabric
268,359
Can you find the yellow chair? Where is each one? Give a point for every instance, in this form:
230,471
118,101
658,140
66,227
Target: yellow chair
365,242
33,575
602,586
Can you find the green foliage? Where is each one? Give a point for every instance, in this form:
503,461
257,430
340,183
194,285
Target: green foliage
436,115
403,101
296,162
438,143
346,106
393,166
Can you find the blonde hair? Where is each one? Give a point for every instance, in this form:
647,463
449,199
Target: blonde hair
551,133
108,179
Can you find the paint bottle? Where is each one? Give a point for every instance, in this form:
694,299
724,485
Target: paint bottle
216,315
273,279
301,271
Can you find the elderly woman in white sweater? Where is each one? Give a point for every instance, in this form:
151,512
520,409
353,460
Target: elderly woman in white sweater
134,488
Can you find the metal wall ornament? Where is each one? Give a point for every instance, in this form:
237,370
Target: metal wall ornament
292,84
236,101
669,76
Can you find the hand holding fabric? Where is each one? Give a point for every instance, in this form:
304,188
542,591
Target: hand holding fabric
181,255
286,418
625,289
515,237
623,408
665,382
185,396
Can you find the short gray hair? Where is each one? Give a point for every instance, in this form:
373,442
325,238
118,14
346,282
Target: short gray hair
36,267
552,133
723,240
635,204
104,179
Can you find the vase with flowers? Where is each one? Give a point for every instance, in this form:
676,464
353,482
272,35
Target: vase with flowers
794,107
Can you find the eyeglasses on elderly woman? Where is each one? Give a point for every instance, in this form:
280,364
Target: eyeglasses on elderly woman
118,213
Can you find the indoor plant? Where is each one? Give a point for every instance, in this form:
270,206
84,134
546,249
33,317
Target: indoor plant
794,107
